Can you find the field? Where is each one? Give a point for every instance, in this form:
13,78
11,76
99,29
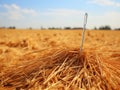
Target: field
50,60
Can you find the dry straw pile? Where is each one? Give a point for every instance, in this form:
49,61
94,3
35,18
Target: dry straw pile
63,69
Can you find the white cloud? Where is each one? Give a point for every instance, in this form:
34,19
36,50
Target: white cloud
14,6
11,7
63,17
13,11
109,18
63,12
29,11
106,2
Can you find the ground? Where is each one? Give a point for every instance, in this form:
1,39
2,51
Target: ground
17,45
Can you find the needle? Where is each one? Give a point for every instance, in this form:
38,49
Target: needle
83,33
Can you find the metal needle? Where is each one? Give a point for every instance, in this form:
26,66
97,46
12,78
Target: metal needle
83,33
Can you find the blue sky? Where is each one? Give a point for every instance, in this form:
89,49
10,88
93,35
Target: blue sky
59,13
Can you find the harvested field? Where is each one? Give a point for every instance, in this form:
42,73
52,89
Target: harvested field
51,60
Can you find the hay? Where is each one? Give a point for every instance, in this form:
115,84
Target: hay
63,69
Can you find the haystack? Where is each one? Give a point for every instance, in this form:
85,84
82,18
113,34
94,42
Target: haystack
63,69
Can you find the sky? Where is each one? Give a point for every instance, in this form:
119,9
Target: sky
59,13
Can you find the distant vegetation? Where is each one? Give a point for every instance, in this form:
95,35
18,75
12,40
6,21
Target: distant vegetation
75,28
106,27
54,28
66,28
10,27
117,28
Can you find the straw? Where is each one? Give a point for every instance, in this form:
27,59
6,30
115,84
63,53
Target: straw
63,68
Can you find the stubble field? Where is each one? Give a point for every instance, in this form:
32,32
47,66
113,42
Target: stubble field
50,60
